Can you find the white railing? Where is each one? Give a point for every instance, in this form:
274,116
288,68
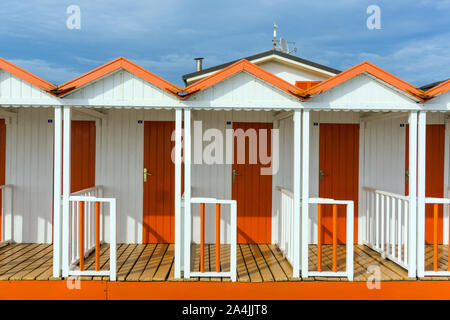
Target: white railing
89,224
6,213
387,224
86,210
435,272
233,239
286,220
349,240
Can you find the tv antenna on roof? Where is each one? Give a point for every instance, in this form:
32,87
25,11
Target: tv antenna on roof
283,43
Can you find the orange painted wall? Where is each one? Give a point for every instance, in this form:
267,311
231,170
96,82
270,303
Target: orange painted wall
339,159
434,176
303,290
2,164
253,192
159,190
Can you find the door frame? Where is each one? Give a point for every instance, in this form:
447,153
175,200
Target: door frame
269,126
145,236
359,161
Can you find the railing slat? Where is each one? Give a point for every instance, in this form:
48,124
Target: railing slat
81,236
386,219
319,238
202,237
85,232
217,237
97,236
349,237
335,238
435,237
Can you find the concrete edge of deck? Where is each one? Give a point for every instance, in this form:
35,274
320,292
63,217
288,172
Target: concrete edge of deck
105,290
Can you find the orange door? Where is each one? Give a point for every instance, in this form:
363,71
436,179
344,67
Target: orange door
159,189
434,176
82,158
82,155
2,164
251,190
338,175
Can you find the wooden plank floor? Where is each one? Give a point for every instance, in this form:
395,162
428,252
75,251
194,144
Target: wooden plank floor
255,263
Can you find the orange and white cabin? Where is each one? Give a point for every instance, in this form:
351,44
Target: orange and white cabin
270,168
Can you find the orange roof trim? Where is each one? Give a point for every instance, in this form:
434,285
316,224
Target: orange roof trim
442,88
25,75
119,63
373,70
241,65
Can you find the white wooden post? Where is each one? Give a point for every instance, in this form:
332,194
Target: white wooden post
363,216
233,241
297,190
305,194
187,193
113,239
57,179
446,233
421,193
177,261
350,240
66,190
412,232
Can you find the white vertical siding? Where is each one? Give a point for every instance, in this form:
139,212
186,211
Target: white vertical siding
290,74
121,85
29,168
119,164
243,89
14,87
215,180
384,155
284,176
382,158
363,92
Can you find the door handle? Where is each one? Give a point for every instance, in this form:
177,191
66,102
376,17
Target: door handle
146,174
321,175
407,177
235,174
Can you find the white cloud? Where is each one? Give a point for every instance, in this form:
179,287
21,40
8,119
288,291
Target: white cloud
164,36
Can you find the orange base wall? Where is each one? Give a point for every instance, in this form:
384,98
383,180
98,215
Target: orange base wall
103,290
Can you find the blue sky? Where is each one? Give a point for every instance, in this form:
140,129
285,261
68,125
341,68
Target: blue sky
164,36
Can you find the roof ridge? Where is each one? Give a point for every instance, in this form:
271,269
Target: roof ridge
25,75
258,56
372,69
241,65
114,65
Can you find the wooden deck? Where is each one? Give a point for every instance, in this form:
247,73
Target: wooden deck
154,262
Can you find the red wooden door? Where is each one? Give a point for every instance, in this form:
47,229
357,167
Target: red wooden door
159,189
82,155
251,190
2,165
434,176
338,175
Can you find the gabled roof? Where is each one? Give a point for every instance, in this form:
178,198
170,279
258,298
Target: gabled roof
431,85
260,56
119,63
25,75
367,67
241,65
443,87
